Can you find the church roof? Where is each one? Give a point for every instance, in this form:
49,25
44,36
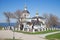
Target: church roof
38,17
26,11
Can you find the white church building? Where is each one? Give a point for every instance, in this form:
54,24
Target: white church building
31,24
27,23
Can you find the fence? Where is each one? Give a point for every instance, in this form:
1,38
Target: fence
30,30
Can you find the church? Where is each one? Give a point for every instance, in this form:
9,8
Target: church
31,24
28,23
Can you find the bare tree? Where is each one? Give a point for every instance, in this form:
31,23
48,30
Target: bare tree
51,20
7,16
18,15
54,20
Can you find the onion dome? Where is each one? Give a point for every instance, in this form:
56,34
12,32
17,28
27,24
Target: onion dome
25,10
37,16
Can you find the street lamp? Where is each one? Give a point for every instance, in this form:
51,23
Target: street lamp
13,34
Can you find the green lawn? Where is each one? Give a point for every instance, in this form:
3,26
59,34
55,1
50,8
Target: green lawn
1,28
43,32
53,36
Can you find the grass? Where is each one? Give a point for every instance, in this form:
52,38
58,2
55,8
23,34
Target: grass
53,36
1,28
42,32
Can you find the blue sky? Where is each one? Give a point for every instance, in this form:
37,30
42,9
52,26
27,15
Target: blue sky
43,6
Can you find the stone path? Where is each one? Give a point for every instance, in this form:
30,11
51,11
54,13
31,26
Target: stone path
9,34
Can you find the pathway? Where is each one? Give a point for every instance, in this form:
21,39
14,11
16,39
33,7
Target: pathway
9,34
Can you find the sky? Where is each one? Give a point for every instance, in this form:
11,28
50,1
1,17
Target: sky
43,7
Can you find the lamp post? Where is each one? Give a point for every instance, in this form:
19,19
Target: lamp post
13,34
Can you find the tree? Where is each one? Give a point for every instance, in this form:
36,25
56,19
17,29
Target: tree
51,20
19,17
54,20
7,14
18,14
